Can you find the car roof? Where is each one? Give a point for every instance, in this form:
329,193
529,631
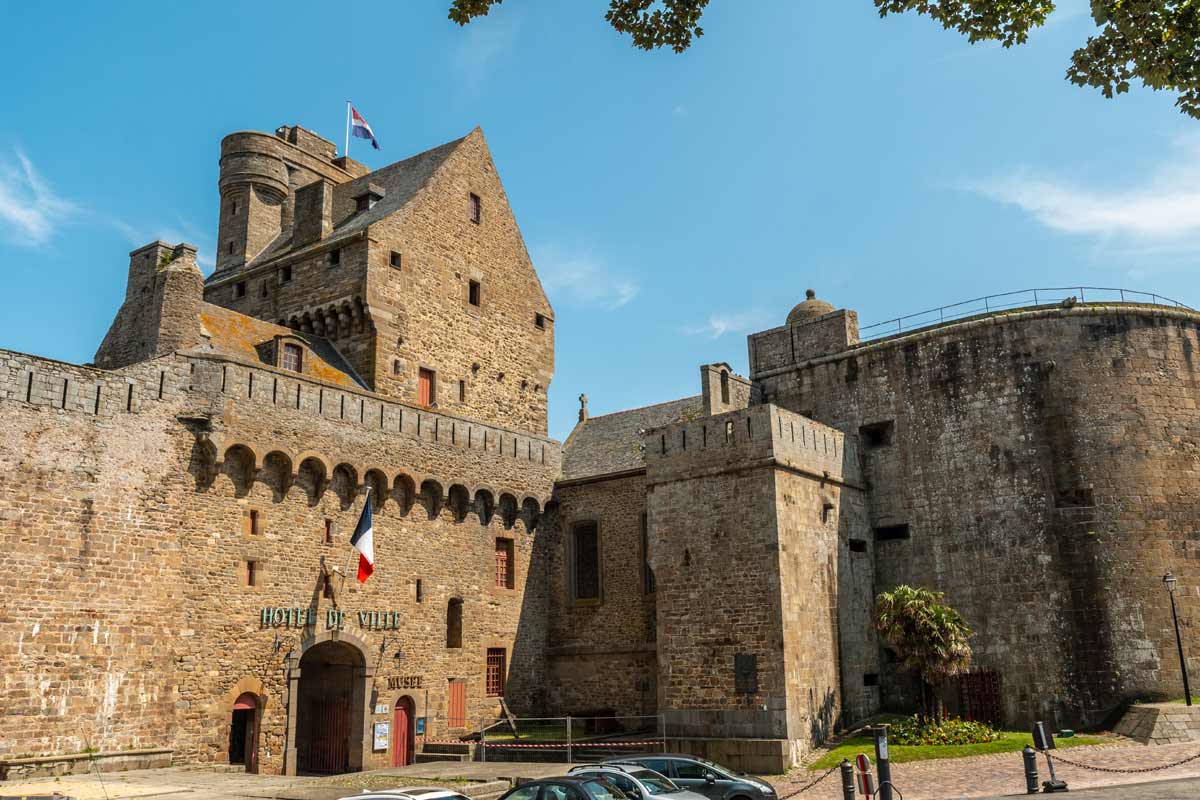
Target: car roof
415,792
614,766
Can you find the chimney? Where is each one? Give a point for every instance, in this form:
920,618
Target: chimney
314,213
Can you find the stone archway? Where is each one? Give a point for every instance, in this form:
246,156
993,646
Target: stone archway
327,706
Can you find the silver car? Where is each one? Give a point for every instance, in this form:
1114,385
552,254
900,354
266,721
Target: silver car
703,776
637,782
408,793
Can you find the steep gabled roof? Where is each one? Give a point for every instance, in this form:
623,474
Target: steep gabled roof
612,443
238,336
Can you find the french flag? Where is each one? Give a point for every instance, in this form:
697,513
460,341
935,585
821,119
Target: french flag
360,128
363,541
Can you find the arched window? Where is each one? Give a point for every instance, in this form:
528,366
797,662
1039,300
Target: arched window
724,387
454,622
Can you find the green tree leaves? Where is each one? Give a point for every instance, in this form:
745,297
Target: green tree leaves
930,638
1155,41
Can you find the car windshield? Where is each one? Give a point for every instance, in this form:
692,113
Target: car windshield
655,783
601,789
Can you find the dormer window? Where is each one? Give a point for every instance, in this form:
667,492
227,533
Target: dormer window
292,357
371,195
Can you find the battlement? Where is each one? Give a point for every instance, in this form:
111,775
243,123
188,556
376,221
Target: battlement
750,437
241,395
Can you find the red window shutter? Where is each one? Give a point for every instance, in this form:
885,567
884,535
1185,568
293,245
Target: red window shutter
456,715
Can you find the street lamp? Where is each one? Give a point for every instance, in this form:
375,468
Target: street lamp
1169,582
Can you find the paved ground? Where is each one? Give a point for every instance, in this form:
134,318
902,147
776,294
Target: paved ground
989,777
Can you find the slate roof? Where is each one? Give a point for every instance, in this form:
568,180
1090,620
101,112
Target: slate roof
400,182
245,338
612,443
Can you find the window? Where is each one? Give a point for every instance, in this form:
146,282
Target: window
251,573
724,387
239,289
328,531
456,704
462,391
394,259
292,357
745,673
327,587
264,289
476,209
397,367
504,563
870,679
454,623
233,208
888,533
335,256
229,248
689,770
647,573
285,275
254,529
420,595
585,561
495,672
877,434
539,322
426,387
858,545
473,293
362,203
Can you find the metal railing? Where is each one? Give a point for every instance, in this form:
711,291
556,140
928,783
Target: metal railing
1023,298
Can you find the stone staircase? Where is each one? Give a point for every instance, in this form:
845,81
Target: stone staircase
445,752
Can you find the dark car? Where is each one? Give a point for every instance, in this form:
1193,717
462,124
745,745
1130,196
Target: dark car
567,787
703,776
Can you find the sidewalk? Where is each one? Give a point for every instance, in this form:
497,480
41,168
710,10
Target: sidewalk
1003,773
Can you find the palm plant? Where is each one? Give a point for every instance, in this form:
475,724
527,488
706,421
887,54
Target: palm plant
930,638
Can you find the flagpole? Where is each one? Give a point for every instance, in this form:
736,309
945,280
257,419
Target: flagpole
346,152
350,555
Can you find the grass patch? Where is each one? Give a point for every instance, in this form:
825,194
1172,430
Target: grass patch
1010,742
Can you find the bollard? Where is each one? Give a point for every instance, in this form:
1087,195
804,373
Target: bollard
847,780
883,764
1031,773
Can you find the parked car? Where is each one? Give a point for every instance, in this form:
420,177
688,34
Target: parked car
702,776
567,787
637,782
408,793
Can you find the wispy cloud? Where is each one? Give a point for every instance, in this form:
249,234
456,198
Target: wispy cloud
179,231
484,42
740,322
1158,212
30,210
583,280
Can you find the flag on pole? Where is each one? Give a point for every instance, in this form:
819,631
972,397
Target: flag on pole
360,128
363,541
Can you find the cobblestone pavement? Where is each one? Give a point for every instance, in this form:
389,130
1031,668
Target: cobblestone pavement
1003,773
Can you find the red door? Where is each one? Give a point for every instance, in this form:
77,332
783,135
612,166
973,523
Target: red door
402,733
426,391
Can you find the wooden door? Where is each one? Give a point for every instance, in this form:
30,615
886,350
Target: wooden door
426,390
402,738
456,713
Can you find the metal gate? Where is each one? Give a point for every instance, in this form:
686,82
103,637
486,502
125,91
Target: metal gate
328,749
979,696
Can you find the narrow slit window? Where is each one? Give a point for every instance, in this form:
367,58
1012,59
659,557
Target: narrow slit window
476,209
252,573
285,275
462,391
473,293
454,623
335,256
504,563
328,531
239,288
585,540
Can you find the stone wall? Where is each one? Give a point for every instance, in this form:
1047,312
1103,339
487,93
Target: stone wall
601,653
138,501
1052,451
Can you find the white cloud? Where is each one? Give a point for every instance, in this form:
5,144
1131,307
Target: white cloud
30,210
181,231
484,41
582,280
1158,212
741,322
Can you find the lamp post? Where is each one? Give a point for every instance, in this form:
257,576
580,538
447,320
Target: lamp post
1169,582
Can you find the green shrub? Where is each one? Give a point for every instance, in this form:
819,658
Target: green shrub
951,730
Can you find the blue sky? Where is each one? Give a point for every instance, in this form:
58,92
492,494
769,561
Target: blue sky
672,203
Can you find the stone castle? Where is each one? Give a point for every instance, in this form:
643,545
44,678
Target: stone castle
175,518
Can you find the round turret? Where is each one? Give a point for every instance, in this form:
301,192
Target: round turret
809,310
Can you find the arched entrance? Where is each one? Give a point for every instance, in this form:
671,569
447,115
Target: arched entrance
329,705
243,732
403,740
